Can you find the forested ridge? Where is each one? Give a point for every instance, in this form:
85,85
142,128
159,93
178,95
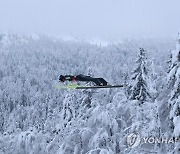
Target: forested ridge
38,118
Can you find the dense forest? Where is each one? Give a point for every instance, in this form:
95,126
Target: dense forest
38,118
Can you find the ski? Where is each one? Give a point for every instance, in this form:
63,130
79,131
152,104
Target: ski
96,87
74,86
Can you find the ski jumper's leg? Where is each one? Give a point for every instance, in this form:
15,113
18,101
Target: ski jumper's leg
104,82
88,78
96,81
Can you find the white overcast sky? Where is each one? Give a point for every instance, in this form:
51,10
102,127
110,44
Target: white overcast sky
105,19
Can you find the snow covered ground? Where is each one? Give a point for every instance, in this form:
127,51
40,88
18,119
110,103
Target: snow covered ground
37,118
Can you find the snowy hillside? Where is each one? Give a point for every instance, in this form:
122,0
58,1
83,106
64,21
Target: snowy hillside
38,118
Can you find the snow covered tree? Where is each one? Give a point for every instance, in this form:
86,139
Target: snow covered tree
174,74
153,78
174,85
139,89
174,81
36,117
68,111
169,62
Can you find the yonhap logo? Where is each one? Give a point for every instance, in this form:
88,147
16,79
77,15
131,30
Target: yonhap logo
133,140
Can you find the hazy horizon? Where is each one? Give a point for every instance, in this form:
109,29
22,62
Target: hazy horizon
102,19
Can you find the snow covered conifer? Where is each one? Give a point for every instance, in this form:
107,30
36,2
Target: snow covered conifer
139,89
169,62
174,73
174,85
174,82
68,110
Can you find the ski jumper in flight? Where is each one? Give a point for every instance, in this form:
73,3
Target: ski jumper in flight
80,77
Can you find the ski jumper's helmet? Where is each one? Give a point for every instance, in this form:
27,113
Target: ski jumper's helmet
61,78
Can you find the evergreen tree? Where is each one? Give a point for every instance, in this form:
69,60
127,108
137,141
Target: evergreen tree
139,90
174,86
169,62
153,79
68,110
174,73
174,82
